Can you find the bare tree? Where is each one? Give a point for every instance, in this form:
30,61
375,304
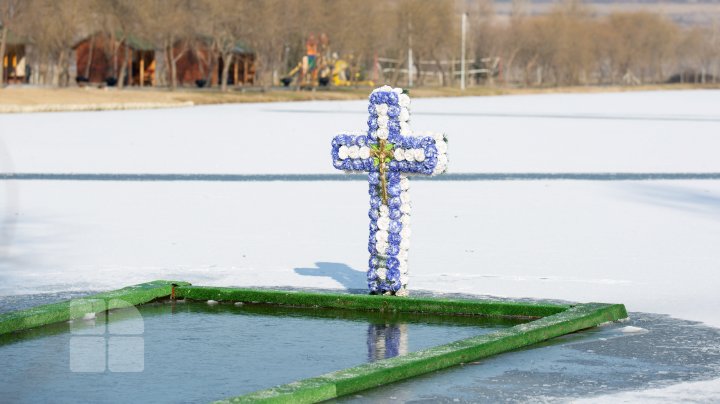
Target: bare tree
119,24
169,24
228,20
434,28
54,27
10,11
265,36
637,45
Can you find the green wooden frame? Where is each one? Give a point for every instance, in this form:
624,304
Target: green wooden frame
549,321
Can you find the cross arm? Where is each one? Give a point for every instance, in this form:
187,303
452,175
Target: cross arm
352,152
421,154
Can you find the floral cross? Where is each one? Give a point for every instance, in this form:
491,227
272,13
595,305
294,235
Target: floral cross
389,153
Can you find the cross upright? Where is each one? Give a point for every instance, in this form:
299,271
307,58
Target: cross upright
389,153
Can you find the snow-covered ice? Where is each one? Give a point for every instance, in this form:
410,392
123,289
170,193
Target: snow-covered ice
620,132
705,391
652,245
632,330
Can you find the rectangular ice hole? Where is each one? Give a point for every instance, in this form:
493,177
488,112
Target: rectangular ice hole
195,352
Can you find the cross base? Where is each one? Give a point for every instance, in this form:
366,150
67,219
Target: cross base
403,292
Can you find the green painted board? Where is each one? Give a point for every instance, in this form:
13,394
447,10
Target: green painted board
72,309
374,302
551,320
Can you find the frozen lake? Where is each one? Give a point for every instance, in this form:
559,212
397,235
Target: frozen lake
617,132
652,245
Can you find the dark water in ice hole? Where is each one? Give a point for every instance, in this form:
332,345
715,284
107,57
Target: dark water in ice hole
194,352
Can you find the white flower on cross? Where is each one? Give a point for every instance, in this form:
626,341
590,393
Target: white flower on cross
381,109
343,152
353,152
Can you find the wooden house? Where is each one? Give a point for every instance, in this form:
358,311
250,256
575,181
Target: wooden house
100,58
196,65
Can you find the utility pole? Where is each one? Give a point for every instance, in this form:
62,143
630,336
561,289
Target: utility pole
410,58
462,51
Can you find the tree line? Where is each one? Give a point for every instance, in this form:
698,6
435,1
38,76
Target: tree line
569,46
572,46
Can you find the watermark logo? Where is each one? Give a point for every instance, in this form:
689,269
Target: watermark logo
111,340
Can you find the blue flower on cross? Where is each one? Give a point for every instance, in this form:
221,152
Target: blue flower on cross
389,154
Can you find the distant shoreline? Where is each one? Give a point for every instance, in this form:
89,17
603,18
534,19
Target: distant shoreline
39,99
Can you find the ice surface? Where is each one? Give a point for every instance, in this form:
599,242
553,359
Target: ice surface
705,391
671,131
652,245
602,365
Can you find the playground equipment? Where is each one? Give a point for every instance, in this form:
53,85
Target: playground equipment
337,73
322,68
